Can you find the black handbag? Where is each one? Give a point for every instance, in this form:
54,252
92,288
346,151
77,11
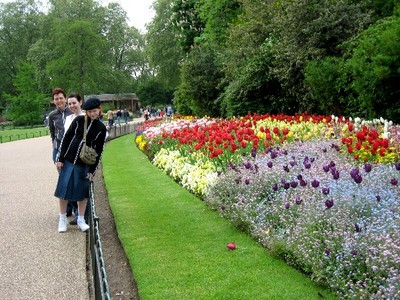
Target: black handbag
88,155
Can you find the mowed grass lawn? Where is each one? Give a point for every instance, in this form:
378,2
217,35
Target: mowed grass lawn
176,245
16,134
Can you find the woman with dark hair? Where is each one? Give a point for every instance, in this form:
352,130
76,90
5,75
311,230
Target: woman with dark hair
74,175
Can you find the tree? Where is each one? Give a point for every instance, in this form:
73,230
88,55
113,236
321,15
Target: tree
19,29
162,48
375,69
305,30
198,90
27,107
152,92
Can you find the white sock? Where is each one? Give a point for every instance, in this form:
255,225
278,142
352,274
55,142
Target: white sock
81,219
63,216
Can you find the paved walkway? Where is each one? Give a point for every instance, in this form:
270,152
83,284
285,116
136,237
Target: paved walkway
36,262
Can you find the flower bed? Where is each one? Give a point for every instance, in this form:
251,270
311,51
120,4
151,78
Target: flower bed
321,192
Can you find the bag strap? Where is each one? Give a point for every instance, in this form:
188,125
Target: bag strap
85,130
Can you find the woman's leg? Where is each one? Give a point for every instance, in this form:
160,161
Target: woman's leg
82,207
62,222
63,206
81,215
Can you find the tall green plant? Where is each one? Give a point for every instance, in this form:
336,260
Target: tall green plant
27,107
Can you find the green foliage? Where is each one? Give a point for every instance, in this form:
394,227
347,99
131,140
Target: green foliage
19,29
162,48
152,92
186,21
217,15
27,108
199,82
309,30
253,90
375,70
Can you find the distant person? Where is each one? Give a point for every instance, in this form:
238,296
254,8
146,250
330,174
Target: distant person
110,117
169,111
125,114
74,175
119,116
57,118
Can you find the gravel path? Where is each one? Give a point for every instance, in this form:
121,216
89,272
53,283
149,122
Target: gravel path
36,262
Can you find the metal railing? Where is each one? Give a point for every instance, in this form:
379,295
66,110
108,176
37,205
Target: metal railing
101,289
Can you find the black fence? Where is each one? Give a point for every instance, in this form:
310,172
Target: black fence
22,136
101,289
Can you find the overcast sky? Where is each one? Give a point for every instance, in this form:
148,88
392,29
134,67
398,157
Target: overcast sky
139,11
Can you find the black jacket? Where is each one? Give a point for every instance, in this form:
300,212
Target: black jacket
56,125
72,141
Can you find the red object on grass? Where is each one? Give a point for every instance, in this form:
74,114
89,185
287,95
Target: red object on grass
231,246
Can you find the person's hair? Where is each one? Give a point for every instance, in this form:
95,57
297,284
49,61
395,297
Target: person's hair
101,111
75,95
57,91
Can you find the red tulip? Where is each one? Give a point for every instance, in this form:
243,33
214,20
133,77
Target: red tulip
231,246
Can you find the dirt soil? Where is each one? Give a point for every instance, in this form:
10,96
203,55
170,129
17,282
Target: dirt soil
119,275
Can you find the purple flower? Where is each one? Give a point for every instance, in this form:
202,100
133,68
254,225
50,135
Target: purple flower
307,164
247,181
332,164
269,164
327,251
273,154
286,185
299,177
328,204
397,166
287,205
253,152
222,207
335,174
298,200
303,182
293,163
324,150
354,252
326,168
275,187
325,191
357,178
378,198
367,168
294,184
238,180
315,183
336,147
247,165
394,181
286,168
357,227
354,172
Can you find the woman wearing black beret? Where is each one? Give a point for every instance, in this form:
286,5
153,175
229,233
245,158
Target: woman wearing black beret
74,175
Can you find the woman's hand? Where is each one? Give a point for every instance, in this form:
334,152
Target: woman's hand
59,165
90,176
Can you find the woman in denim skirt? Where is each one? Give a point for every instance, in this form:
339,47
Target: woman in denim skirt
74,175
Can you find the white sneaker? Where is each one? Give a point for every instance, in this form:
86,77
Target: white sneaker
82,225
62,224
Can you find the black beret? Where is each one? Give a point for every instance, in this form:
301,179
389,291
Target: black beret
91,103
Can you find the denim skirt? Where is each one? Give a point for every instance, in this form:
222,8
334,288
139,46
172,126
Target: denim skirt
72,183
